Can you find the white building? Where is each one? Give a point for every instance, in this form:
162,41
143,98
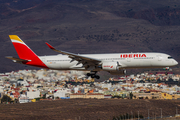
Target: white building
23,99
22,82
33,94
62,93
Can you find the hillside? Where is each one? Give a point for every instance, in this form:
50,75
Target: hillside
95,26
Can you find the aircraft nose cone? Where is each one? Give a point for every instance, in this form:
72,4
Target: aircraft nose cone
175,62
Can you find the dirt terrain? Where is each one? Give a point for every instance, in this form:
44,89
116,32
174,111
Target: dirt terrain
87,109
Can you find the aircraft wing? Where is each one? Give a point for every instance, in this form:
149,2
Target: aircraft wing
81,59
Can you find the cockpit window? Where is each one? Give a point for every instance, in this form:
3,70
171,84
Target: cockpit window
170,57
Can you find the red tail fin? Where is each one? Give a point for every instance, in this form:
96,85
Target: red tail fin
24,52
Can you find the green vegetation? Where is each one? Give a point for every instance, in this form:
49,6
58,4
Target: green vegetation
131,95
6,98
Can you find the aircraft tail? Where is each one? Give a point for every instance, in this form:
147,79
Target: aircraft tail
25,53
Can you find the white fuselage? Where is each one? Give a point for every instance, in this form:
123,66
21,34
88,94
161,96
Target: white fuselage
126,60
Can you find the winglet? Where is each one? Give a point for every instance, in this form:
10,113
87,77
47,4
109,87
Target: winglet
51,47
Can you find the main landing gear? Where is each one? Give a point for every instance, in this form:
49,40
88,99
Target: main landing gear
93,75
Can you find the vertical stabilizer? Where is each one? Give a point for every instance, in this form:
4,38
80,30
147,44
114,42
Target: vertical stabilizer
24,52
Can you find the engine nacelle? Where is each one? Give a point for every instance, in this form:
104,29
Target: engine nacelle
114,68
111,66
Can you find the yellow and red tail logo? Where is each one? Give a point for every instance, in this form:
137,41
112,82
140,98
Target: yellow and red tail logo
24,52
15,38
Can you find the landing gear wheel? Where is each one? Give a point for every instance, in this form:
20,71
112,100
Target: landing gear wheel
88,74
97,76
93,76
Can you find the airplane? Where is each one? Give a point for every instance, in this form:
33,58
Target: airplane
115,63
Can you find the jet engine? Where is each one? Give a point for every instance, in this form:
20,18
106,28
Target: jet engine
113,68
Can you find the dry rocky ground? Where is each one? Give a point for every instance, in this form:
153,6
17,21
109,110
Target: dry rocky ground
86,109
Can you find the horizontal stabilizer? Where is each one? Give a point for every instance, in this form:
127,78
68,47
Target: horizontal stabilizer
17,59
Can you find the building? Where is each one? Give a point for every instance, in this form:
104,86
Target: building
33,94
170,96
88,95
148,95
23,99
62,93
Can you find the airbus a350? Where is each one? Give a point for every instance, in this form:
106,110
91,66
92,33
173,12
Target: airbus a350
115,63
